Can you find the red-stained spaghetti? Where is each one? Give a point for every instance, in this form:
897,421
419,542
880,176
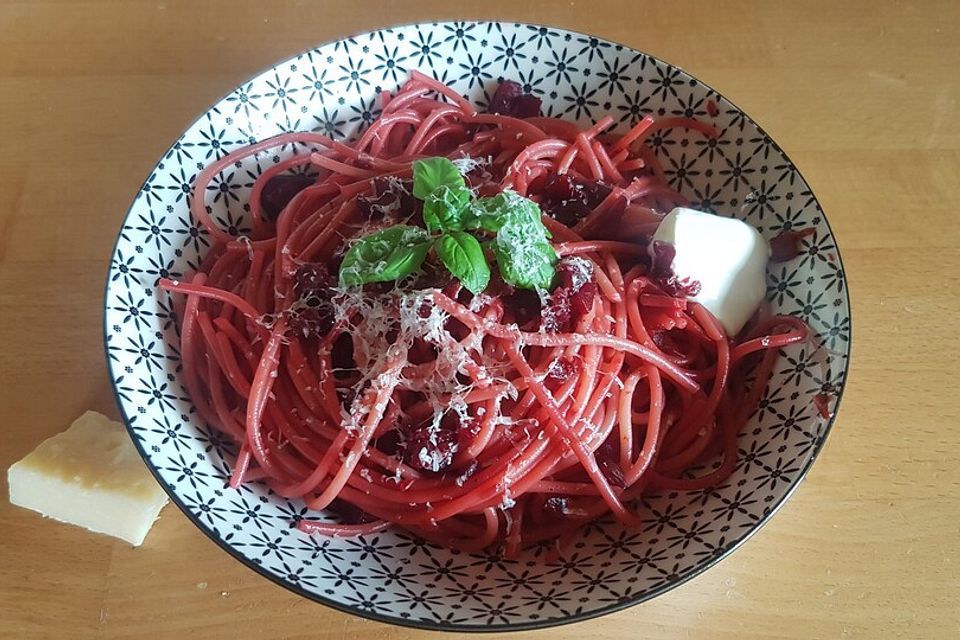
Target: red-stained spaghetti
499,419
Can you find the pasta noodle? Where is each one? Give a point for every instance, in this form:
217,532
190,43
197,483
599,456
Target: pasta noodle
502,418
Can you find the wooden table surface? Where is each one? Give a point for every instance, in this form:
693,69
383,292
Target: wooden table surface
862,95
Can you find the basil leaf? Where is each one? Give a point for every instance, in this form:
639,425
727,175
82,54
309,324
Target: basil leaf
492,213
385,255
486,213
443,209
463,256
432,173
522,248
524,254
525,264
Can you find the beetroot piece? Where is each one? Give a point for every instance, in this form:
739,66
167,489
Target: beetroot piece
661,270
428,448
581,301
573,273
568,200
608,459
564,199
390,196
431,276
457,330
526,106
563,506
563,186
312,315
390,443
557,317
349,513
786,246
525,306
822,402
665,342
556,505
280,190
510,100
559,372
421,352
569,213
503,98
313,278
573,297
577,275
341,354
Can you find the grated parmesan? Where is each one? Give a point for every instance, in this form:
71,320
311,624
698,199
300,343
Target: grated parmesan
385,326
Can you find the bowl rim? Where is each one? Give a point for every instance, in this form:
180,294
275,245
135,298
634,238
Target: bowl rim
430,625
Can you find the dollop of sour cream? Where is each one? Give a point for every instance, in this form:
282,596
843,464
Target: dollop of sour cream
728,257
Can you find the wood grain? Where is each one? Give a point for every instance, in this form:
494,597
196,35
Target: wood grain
863,96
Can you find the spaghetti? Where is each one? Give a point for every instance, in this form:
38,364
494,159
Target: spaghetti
504,418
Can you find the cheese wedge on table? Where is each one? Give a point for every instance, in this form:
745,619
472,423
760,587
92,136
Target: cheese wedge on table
92,476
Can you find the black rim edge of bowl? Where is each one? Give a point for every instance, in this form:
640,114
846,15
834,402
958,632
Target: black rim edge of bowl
476,628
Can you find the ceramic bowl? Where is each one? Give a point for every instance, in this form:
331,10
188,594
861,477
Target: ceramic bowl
391,576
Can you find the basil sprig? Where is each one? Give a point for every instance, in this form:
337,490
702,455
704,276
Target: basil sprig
520,245
388,254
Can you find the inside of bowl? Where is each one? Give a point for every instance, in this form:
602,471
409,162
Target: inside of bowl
334,89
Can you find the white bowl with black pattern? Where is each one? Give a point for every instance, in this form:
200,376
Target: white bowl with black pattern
391,576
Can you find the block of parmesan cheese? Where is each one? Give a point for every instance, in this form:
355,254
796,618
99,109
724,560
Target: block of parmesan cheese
92,476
